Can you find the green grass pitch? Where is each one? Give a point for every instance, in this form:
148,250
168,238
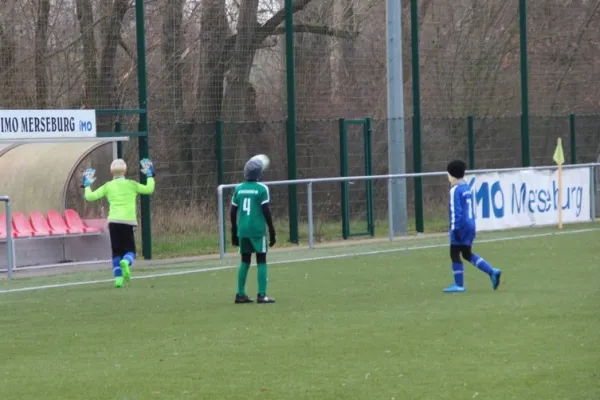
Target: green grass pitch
366,327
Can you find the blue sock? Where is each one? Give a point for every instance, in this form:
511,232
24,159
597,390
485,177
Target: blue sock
129,257
481,264
458,273
117,272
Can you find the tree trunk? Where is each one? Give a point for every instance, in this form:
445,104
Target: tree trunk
238,89
344,50
172,116
406,37
214,32
8,49
8,59
172,45
238,77
41,62
109,54
85,16
215,29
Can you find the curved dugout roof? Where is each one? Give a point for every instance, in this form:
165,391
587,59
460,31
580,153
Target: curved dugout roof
6,147
36,175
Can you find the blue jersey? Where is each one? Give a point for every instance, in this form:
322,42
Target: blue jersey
461,213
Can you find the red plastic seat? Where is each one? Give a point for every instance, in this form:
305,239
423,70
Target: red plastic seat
40,225
75,223
57,222
3,227
22,226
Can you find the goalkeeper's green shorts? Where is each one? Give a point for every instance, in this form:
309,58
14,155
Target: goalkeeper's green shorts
253,245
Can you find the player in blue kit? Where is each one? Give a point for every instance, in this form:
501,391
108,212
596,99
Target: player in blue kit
461,213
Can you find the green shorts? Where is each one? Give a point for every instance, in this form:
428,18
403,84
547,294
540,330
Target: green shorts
253,245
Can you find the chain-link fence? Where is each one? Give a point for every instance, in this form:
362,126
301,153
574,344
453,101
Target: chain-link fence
227,61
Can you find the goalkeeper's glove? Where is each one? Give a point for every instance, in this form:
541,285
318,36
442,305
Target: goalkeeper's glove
89,176
147,167
235,241
272,238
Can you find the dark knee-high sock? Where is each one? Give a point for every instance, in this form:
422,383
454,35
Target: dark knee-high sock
458,270
480,263
117,272
242,276
262,279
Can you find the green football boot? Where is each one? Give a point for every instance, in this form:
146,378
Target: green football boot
126,270
119,282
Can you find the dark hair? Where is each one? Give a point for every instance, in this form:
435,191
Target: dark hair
457,169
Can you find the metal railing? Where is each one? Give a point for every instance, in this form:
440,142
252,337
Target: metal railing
10,244
390,179
596,183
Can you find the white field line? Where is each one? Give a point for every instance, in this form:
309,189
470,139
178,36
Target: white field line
299,260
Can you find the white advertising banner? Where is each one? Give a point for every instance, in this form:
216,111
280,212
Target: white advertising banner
530,197
47,124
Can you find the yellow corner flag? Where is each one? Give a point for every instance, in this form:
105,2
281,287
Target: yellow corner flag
559,154
559,159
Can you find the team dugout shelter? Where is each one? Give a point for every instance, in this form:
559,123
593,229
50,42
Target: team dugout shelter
42,156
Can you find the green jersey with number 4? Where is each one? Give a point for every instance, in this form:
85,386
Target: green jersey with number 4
249,197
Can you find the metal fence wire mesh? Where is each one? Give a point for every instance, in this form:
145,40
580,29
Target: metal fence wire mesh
225,60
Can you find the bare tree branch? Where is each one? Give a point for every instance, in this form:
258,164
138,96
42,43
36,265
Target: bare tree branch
268,27
126,49
265,30
318,30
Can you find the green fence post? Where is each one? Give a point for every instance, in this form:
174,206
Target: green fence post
291,120
525,145
369,172
220,172
119,129
344,172
144,150
417,154
471,140
572,139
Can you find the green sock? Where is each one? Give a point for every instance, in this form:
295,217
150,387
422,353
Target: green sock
262,279
242,276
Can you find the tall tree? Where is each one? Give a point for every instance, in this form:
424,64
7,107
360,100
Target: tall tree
112,35
8,55
85,16
213,58
172,57
240,63
41,49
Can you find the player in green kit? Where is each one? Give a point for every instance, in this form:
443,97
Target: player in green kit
250,215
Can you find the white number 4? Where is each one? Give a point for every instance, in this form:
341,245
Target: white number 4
246,206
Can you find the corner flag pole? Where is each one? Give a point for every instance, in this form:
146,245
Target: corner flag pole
559,159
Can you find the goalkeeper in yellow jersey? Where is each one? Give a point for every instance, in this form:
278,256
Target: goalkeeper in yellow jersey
250,215
121,194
